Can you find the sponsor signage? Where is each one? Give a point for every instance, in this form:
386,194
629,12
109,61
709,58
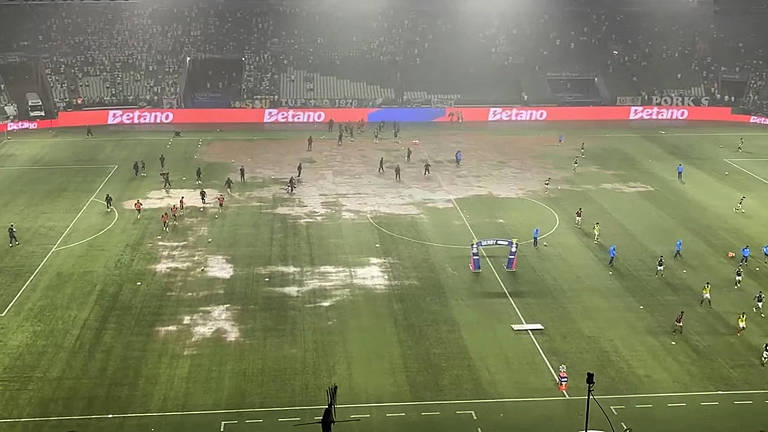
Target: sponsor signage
139,117
679,101
118,117
516,114
293,116
656,113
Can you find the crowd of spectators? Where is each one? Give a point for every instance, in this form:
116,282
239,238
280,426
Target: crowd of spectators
136,53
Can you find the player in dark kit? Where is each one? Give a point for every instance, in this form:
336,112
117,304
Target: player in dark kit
12,236
330,125
135,168
678,323
397,172
143,168
202,196
181,206
108,202
166,180
199,175
660,266
291,185
162,161
309,143
408,154
88,131
381,165
228,185
341,136
298,170
427,167
242,174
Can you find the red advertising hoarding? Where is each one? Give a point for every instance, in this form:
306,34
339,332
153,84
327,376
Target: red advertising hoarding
129,117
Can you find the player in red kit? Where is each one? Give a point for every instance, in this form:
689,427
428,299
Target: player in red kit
164,219
174,211
220,199
181,206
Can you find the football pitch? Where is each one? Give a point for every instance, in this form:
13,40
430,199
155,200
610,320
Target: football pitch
238,320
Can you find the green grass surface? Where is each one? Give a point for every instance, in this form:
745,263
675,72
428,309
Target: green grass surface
403,327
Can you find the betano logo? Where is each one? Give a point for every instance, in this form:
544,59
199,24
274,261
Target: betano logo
138,117
22,125
515,114
758,119
656,113
291,116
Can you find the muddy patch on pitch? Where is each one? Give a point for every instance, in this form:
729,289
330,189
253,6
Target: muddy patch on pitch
616,187
175,257
626,187
343,182
209,322
327,285
161,199
219,267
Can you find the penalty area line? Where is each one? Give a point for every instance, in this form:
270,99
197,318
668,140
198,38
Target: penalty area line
58,242
746,171
114,221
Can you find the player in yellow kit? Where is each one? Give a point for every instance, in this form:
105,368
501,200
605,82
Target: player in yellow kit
742,322
705,294
596,231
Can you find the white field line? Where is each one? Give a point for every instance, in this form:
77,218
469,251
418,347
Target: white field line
53,167
114,221
676,404
58,242
709,403
254,421
742,402
289,419
557,223
503,286
359,416
225,423
748,172
431,413
474,416
413,240
380,404
615,407
748,159
644,406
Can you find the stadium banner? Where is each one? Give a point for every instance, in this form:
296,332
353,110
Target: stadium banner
680,101
137,117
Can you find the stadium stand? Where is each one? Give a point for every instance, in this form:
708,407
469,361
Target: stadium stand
137,54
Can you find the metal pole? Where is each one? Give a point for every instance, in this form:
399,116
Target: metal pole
590,384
